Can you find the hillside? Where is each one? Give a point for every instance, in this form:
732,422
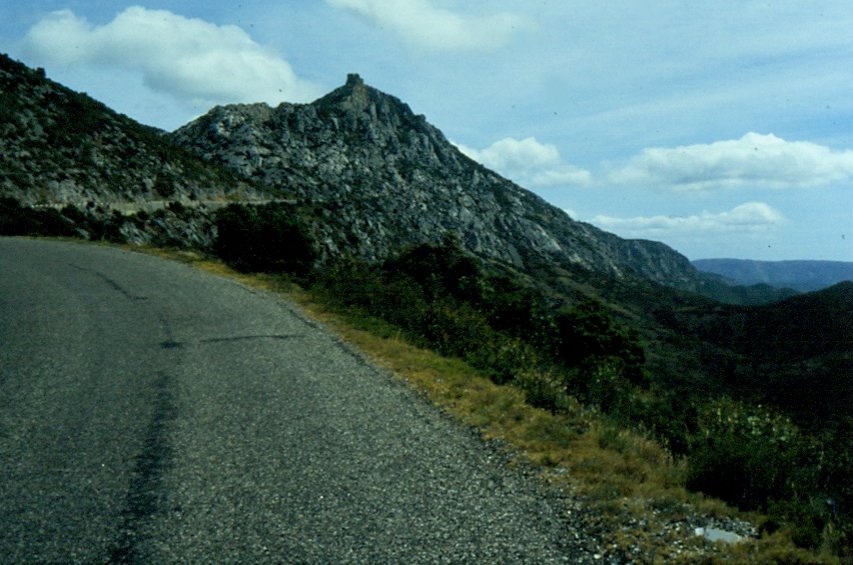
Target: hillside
803,276
61,148
794,354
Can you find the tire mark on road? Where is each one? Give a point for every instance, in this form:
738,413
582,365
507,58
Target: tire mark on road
112,283
249,337
169,342
145,497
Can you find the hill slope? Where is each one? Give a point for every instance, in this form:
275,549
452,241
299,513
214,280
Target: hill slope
61,147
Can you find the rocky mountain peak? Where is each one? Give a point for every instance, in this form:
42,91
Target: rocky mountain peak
384,178
374,176
354,80
356,96
357,104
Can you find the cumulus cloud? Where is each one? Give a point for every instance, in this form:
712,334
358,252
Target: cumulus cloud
564,175
191,59
424,25
514,154
751,217
755,160
529,162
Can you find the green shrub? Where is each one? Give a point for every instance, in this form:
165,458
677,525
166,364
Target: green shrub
588,331
13,219
262,239
22,220
518,310
745,455
440,270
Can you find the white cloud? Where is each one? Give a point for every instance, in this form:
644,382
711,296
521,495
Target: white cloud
424,25
529,162
512,154
748,218
191,59
564,175
755,161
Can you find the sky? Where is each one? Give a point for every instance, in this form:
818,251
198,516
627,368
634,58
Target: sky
723,129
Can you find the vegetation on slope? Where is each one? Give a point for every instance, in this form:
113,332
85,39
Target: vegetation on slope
741,442
59,146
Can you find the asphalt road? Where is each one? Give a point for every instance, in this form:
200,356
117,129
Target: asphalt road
152,413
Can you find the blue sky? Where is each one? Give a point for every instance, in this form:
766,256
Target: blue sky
724,129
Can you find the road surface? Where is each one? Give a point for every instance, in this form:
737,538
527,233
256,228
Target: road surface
153,413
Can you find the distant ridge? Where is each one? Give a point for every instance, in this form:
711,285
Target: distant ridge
804,276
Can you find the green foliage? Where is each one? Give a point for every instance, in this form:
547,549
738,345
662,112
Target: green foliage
9,106
746,455
263,239
440,271
164,187
69,222
669,416
517,310
587,333
427,300
445,300
78,115
19,220
758,459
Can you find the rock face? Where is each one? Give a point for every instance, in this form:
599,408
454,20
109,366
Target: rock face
383,178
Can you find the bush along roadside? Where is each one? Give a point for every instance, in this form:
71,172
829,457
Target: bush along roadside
174,226
263,239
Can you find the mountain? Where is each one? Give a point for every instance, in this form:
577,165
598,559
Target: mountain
803,276
383,178
374,176
794,354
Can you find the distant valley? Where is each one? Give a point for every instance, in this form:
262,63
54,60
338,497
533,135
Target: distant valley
803,276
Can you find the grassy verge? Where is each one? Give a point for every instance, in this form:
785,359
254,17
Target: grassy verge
633,489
